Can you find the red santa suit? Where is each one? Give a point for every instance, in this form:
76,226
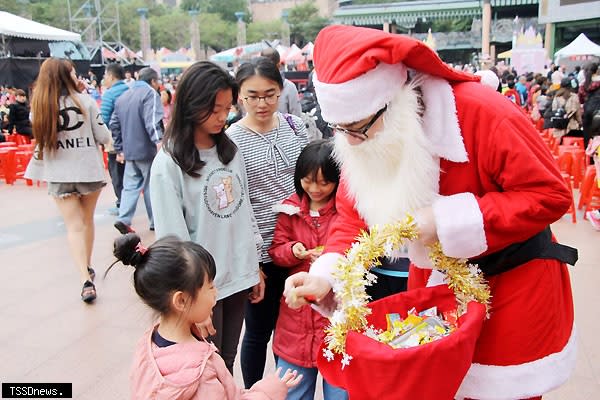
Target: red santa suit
498,185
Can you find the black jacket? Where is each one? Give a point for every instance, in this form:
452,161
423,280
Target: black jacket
18,117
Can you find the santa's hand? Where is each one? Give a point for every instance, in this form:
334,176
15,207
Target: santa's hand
303,288
427,230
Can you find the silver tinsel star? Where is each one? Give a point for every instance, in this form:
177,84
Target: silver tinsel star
328,354
346,360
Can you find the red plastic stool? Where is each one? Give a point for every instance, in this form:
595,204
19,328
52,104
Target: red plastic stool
7,164
578,166
22,159
594,202
585,192
572,209
572,141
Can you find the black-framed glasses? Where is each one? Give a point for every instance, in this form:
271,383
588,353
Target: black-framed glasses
270,99
360,133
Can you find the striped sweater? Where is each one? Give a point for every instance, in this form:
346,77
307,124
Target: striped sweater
270,162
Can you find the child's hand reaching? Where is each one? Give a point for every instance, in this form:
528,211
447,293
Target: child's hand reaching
299,251
206,327
290,378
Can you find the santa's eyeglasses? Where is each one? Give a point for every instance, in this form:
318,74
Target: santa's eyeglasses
360,133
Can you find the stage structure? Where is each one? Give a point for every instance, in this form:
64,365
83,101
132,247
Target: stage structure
25,44
99,24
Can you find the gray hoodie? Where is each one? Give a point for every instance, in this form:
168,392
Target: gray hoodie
214,211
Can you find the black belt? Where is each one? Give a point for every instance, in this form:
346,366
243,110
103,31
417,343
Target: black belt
539,246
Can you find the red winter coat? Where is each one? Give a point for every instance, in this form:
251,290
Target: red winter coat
299,333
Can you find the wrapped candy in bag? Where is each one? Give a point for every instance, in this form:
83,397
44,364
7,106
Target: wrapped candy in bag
430,371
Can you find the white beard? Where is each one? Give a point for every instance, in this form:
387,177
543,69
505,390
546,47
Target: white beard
395,172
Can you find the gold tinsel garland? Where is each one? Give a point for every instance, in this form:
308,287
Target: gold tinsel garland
352,276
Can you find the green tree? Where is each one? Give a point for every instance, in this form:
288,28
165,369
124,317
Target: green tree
17,7
169,30
217,33
52,13
226,9
258,31
305,23
451,25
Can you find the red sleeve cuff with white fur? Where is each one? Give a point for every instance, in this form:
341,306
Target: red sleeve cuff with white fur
459,224
323,267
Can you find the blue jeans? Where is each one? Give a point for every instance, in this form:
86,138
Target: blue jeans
305,390
116,171
135,179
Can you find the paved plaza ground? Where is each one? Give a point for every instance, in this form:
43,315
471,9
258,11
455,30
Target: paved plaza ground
47,334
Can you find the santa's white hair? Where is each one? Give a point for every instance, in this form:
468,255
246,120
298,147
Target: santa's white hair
394,172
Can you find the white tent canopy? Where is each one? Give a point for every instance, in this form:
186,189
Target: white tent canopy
581,46
13,25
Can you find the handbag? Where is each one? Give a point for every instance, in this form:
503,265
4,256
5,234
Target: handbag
559,118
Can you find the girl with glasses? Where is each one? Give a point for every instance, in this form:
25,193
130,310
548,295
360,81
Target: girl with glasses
270,143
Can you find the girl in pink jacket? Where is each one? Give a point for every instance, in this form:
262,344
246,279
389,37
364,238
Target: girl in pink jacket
172,360
301,230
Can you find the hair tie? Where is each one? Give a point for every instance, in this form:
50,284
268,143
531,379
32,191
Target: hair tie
141,249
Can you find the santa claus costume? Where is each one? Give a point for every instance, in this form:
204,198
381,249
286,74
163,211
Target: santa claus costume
450,143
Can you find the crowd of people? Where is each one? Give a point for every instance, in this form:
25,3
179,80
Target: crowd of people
250,200
557,93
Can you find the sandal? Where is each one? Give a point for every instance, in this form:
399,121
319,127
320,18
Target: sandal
88,292
92,273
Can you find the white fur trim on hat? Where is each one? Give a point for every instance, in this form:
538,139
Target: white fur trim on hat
351,101
440,121
459,224
494,382
489,78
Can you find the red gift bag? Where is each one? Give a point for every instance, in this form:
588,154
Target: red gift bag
433,371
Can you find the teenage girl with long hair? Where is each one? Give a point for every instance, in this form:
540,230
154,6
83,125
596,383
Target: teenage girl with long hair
271,143
199,192
68,128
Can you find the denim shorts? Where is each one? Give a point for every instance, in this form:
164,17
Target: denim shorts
65,189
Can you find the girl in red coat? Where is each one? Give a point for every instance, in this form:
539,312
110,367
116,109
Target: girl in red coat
301,230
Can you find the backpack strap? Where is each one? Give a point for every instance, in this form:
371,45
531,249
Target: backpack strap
290,121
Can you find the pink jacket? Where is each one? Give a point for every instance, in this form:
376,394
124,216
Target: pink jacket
299,333
191,371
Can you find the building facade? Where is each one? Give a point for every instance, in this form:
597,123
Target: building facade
269,10
495,23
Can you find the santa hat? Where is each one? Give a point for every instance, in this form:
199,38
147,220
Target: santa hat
359,70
